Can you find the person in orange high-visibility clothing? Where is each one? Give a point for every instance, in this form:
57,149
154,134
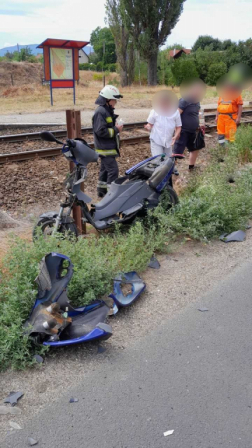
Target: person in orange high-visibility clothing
228,115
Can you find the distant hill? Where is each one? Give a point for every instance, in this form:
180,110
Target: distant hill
88,49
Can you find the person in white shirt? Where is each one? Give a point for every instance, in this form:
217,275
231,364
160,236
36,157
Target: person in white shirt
164,123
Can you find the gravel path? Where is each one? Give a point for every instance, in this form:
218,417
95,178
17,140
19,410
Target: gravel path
127,114
184,276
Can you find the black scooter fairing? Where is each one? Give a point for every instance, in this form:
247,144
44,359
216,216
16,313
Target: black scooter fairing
125,194
121,198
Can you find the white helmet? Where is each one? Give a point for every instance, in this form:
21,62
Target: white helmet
110,93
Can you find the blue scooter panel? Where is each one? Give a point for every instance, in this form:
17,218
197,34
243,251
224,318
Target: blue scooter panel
49,319
137,287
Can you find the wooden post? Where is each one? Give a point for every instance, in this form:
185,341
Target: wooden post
73,120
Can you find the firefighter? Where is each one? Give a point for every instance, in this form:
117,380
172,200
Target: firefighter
229,112
106,137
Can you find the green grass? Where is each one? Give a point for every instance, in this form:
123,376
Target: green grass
209,206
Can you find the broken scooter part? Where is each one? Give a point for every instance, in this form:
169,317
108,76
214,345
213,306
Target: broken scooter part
13,398
238,236
127,288
53,321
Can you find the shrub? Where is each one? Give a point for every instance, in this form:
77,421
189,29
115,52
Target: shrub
215,71
97,76
87,66
184,69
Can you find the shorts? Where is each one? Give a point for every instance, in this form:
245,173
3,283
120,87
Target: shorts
156,149
186,140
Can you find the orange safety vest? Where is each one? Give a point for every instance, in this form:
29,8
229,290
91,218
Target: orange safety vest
228,107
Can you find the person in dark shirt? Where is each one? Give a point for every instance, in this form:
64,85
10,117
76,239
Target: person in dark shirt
189,107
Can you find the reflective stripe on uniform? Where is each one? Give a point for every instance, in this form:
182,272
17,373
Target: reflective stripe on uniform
107,152
101,184
111,132
221,139
109,120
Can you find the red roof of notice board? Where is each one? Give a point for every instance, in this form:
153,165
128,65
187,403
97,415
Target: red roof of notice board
62,43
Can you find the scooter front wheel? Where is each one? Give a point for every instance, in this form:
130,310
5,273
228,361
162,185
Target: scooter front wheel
46,226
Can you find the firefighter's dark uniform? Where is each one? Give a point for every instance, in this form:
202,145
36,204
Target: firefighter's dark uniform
106,140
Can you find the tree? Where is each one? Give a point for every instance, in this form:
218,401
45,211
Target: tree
215,72
171,47
207,41
102,39
184,69
203,59
123,41
8,55
226,44
150,22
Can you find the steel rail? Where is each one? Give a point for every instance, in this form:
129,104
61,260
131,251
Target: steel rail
61,133
53,152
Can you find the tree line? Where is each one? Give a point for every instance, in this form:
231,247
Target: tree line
210,58
24,55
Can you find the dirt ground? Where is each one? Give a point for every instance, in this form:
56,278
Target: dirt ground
32,97
31,187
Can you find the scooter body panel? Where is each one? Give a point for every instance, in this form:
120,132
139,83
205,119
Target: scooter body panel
121,198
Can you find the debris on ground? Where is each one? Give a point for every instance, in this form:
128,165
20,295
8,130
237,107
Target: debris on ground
38,359
4,410
32,442
154,263
137,286
53,321
14,425
73,400
238,235
13,398
169,433
101,349
203,309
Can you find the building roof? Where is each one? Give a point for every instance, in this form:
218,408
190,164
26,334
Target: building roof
175,52
63,43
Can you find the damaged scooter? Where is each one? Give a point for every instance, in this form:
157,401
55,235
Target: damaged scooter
132,195
54,322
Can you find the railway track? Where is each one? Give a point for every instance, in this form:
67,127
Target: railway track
62,133
56,151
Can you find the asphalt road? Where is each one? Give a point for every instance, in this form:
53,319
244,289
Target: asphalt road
192,375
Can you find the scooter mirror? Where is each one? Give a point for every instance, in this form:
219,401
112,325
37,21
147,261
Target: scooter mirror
48,137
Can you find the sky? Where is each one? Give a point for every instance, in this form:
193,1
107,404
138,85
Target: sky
32,21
